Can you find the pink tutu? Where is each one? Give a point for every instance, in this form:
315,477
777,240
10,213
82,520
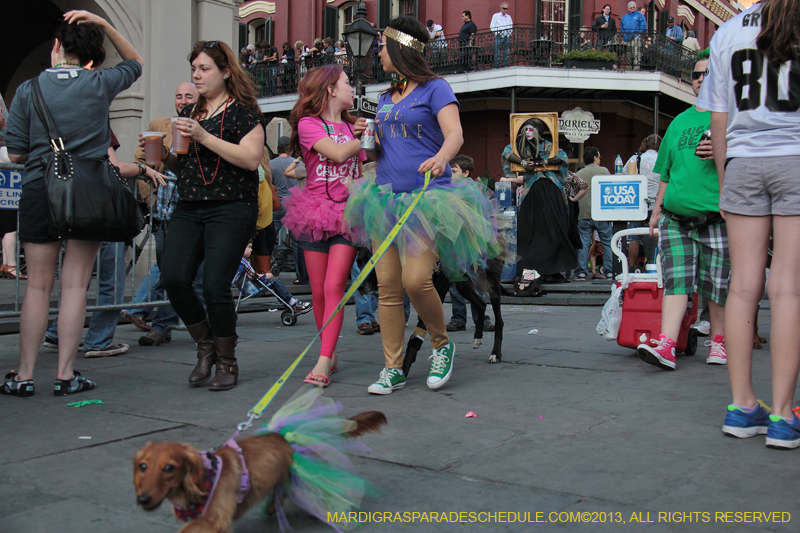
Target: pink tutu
312,218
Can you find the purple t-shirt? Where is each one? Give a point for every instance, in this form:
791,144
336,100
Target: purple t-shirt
409,133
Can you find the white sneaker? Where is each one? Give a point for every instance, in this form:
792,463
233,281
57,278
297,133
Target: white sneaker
703,327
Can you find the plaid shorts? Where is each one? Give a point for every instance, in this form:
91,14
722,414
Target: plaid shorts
695,257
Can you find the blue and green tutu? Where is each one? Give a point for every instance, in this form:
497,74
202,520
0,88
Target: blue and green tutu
321,477
457,220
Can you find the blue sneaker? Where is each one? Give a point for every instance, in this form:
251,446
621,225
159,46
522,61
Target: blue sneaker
743,425
783,435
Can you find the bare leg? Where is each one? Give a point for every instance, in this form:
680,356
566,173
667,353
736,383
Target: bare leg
717,315
633,254
747,241
76,271
673,307
10,249
42,260
784,299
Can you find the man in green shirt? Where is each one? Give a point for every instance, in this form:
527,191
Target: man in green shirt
693,238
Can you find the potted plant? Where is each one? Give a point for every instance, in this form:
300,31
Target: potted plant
588,59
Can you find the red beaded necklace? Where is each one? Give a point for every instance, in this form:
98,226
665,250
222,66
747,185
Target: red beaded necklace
219,157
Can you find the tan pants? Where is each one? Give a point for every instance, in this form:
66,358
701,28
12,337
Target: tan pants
416,277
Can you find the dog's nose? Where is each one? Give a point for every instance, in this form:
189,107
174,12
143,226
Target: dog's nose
143,499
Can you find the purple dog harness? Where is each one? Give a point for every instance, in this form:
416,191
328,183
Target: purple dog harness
212,468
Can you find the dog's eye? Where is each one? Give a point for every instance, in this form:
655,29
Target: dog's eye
169,468
142,467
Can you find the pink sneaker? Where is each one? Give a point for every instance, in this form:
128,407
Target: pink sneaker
662,356
716,355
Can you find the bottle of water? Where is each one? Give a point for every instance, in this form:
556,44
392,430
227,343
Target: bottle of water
618,165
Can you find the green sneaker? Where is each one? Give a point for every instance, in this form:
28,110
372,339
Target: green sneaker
391,379
441,365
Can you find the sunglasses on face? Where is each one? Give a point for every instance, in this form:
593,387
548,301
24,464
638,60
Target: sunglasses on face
504,8
697,74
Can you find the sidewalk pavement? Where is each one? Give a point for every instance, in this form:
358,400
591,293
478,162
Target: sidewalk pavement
568,423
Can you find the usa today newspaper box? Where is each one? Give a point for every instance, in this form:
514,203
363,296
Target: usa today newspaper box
619,198
10,189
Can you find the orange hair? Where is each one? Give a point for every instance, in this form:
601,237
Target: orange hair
313,98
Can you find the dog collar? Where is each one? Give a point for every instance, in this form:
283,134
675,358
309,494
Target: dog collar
212,468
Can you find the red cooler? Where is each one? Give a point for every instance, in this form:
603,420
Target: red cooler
641,305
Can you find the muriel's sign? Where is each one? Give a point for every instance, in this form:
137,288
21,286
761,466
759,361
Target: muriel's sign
577,124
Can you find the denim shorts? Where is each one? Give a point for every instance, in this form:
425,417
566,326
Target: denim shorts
324,245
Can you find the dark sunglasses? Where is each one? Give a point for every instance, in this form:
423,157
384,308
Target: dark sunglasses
504,8
697,73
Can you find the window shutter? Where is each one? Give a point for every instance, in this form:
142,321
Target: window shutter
330,23
384,13
242,36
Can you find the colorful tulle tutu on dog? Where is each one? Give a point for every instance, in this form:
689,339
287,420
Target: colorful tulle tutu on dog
310,217
457,220
321,478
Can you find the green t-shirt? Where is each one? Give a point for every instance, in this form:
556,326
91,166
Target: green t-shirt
693,186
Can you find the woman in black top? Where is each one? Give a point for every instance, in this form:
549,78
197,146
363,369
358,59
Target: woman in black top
605,26
216,214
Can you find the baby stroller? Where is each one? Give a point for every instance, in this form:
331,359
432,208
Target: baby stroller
252,285
641,303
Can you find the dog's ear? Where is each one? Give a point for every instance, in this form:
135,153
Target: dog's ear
193,473
367,422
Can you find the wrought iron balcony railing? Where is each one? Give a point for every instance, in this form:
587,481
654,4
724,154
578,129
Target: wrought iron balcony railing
534,46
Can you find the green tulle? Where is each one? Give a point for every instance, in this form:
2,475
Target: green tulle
457,221
322,480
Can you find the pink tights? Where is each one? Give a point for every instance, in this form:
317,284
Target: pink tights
328,273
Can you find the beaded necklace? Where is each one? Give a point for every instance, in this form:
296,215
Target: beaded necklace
219,157
328,130
64,63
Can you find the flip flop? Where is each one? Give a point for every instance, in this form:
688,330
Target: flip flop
320,380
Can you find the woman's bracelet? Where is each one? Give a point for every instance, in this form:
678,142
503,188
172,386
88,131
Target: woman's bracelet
142,168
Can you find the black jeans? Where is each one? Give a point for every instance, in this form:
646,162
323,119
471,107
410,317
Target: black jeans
216,232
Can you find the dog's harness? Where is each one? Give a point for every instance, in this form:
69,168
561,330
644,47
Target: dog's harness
212,467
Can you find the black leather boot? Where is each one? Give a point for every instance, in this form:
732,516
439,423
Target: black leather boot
227,374
206,355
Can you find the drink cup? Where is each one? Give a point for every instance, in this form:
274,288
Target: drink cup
180,144
152,147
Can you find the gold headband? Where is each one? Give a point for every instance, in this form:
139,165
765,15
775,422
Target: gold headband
405,39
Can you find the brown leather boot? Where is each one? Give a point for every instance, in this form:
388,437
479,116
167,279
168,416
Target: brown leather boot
227,374
206,355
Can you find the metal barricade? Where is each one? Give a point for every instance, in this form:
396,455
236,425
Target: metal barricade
122,257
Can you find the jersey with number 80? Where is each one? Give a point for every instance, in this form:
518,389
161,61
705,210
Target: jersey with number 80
762,99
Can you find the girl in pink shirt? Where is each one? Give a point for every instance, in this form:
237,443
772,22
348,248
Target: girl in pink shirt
328,138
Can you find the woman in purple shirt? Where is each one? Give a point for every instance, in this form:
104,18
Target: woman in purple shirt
418,129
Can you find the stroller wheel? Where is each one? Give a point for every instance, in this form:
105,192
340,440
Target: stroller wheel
275,271
288,318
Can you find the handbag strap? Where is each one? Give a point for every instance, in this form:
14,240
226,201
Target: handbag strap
45,117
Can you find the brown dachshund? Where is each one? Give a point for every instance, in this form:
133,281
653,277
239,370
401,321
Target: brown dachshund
177,472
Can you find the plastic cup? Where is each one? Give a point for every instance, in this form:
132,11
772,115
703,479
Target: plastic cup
152,147
180,143
651,269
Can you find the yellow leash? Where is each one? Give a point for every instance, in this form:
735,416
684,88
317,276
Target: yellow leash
258,409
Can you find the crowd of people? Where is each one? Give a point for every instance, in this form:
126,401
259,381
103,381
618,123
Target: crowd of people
714,201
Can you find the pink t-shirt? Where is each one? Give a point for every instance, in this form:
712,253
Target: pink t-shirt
312,129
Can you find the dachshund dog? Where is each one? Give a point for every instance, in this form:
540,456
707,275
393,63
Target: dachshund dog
179,473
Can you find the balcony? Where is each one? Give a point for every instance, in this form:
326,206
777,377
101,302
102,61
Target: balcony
523,46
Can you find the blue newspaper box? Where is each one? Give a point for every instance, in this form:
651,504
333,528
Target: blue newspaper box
507,232
503,193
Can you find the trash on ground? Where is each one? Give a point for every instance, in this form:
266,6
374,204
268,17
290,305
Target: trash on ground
85,402
470,415
533,332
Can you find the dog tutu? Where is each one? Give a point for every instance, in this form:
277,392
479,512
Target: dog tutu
457,220
312,218
321,477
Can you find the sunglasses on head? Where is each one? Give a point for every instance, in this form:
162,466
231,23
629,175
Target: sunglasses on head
207,44
696,74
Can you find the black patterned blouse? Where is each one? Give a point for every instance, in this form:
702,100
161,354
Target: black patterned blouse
231,182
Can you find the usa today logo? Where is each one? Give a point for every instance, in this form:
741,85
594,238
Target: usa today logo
619,195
